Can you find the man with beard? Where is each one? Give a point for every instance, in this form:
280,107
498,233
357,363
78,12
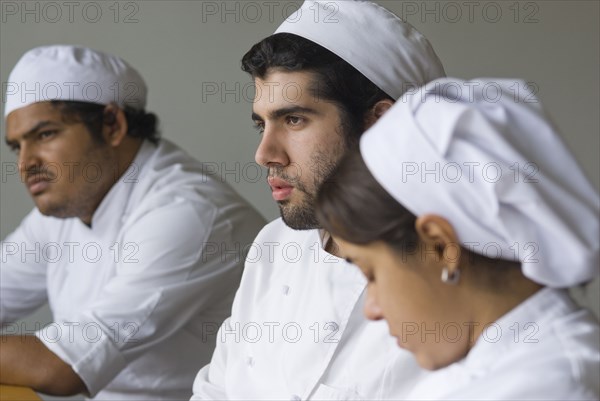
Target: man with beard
125,243
296,330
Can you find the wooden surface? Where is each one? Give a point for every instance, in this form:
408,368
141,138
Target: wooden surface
11,393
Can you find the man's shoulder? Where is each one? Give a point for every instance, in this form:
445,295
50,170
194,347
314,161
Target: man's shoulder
169,173
172,183
167,157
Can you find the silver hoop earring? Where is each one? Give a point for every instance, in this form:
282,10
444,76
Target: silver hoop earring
450,277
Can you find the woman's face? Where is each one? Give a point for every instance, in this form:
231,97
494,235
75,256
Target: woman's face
423,313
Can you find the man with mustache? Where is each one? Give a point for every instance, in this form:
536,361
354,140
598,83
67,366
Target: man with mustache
296,330
136,248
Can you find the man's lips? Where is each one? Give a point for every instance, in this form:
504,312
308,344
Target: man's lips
37,184
281,190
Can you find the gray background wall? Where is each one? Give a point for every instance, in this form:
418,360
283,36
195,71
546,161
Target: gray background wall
189,53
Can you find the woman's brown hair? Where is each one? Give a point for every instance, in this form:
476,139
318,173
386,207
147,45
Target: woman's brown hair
352,205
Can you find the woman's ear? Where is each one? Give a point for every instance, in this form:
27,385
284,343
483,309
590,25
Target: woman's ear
114,128
377,111
436,232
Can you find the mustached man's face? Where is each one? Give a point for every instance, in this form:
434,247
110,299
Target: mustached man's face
302,141
65,170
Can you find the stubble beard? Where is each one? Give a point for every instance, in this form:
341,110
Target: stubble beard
301,215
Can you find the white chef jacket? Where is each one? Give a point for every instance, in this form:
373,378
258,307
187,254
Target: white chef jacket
138,297
547,348
297,330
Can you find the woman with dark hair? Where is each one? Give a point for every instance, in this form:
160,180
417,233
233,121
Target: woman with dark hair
469,217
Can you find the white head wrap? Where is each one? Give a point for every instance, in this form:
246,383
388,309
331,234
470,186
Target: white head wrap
388,51
73,73
483,155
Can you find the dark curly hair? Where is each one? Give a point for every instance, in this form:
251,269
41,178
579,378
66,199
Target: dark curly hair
336,80
140,124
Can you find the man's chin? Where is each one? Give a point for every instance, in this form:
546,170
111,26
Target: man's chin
298,218
52,210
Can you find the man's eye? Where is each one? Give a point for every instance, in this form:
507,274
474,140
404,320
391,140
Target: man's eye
46,134
259,126
14,148
295,120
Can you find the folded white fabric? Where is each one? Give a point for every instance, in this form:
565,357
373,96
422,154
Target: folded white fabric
388,51
483,155
73,73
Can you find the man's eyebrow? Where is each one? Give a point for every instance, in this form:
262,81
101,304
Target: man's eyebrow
275,114
32,131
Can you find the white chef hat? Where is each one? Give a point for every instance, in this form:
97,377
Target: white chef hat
388,51
73,73
483,155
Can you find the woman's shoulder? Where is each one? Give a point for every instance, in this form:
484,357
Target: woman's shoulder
549,349
561,360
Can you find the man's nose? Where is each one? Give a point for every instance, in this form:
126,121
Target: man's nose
28,159
271,150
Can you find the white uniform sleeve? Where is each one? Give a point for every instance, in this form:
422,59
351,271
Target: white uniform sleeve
153,293
210,381
22,271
